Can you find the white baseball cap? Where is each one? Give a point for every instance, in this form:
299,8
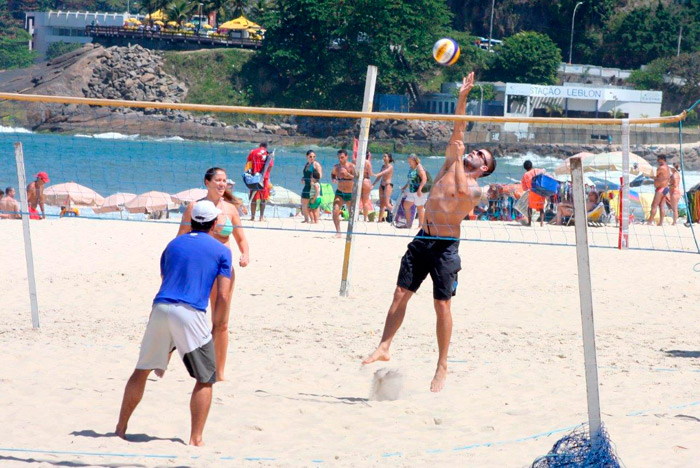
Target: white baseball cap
204,211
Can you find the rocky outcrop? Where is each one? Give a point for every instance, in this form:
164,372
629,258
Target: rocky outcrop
137,74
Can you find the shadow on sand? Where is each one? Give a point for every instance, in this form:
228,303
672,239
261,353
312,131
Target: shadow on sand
129,437
682,353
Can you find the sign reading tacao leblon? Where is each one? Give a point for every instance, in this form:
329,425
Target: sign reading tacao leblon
579,92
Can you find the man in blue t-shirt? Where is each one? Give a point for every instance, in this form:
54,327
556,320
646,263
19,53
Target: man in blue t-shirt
189,266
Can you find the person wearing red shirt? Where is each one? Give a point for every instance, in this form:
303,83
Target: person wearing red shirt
257,158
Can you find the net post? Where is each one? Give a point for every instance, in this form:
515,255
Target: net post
623,243
586,300
28,253
370,83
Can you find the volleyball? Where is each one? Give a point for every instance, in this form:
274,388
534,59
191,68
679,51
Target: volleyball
446,51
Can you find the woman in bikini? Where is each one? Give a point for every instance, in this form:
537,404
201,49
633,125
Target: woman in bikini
229,222
417,178
385,187
674,185
311,166
365,202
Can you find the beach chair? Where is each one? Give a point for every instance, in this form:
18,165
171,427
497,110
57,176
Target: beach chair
595,218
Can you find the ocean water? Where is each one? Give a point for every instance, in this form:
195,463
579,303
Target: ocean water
112,162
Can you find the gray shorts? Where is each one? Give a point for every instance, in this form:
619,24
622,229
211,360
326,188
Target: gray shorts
182,327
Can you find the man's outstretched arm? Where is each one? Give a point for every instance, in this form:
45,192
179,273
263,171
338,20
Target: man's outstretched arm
460,126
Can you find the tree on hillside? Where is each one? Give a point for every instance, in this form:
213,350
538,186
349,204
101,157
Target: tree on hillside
151,6
180,10
316,52
527,57
14,50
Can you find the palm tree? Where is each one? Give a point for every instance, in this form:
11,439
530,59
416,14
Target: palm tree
151,6
552,108
180,10
258,9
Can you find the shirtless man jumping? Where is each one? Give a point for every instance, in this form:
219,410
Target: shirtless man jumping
661,190
434,250
343,174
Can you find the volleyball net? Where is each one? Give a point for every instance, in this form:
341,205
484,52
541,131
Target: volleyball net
145,161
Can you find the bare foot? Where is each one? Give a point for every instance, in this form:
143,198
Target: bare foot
121,433
252,219
337,235
438,382
379,354
197,442
263,220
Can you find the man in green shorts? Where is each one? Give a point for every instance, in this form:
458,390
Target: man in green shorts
342,174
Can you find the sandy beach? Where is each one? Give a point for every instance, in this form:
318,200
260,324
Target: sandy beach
297,394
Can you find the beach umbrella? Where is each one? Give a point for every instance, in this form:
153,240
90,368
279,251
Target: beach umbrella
114,202
206,26
189,25
72,193
149,202
189,195
565,167
240,23
159,23
609,162
172,24
157,15
281,196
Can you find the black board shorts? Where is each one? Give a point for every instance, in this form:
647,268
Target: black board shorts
437,257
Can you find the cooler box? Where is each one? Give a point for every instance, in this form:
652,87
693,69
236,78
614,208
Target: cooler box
545,185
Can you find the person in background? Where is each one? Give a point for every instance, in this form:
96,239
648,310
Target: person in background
257,158
314,206
9,207
534,201
417,178
307,174
674,191
36,197
386,186
343,174
238,203
365,202
661,190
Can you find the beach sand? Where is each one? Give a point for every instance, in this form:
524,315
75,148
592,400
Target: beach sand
297,394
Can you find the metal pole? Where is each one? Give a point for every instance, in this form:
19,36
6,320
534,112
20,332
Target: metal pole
359,177
680,35
29,256
586,300
625,221
571,43
491,25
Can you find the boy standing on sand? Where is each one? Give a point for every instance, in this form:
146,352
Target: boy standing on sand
435,250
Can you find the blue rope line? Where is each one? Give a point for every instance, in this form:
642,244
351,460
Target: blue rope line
318,460
408,236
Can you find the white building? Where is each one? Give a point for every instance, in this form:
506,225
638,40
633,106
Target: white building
523,100
65,26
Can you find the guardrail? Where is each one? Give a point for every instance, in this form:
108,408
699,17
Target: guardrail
172,36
